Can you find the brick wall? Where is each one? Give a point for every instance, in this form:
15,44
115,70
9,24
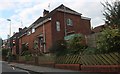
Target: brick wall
39,30
85,27
52,35
79,25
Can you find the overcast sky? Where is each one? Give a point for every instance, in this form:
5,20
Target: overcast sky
24,12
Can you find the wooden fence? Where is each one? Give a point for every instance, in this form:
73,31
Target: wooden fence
86,63
99,59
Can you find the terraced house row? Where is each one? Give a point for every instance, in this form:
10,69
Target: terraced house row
51,27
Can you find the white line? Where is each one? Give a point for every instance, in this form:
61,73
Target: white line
13,68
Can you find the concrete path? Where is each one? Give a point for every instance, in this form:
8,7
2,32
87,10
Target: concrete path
38,68
47,70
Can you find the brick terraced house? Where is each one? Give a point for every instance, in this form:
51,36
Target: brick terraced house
53,26
14,41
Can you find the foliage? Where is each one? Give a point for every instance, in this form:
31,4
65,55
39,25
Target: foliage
28,57
90,50
75,45
5,52
59,47
8,54
25,46
112,13
36,48
108,41
24,49
27,54
36,44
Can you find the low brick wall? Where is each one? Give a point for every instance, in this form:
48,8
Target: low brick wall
89,68
100,68
68,66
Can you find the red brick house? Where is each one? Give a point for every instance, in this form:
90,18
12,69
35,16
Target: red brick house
53,26
14,41
100,28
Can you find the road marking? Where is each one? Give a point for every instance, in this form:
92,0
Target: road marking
13,68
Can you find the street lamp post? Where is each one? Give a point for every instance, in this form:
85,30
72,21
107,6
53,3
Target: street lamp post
9,33
10,26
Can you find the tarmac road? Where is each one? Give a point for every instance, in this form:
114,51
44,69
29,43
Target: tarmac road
5,68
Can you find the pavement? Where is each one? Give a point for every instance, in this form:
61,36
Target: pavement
38,68
47,70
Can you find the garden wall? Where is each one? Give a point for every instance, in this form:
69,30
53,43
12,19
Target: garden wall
86,63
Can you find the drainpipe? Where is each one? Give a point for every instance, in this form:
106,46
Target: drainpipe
64,22
86,39
44,37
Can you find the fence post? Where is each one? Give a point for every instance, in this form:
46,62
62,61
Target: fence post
80,66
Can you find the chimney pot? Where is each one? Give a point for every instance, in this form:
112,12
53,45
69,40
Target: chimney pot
45,12
20,29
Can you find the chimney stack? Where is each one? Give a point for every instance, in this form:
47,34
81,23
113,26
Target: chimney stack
45,12
20,29
13,33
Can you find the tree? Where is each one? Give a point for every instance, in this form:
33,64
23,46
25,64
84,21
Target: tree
108,41
75,45
59,48
25,50
112,13
5,52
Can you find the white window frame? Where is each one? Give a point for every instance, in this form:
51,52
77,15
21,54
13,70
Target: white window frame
57,25
28,33
69,22
33,30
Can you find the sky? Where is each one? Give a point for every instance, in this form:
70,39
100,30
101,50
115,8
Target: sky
23,13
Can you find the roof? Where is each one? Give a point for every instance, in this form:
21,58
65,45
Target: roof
61,8
22,32
99,28
66,9
71,36
86,18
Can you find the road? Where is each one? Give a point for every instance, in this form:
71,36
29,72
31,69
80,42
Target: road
5,68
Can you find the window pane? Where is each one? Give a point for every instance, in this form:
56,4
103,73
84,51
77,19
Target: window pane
69,22
33,30
57,25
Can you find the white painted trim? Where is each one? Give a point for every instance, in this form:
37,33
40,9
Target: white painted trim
85,18
46,20
67,11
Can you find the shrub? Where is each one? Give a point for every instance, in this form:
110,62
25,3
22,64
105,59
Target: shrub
59,48
75,45
27,57
109,41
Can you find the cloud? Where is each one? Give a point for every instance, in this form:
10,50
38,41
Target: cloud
24,15
4,27
5,5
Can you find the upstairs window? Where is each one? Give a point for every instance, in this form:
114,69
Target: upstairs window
69,22
33,30
57,25
28,33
